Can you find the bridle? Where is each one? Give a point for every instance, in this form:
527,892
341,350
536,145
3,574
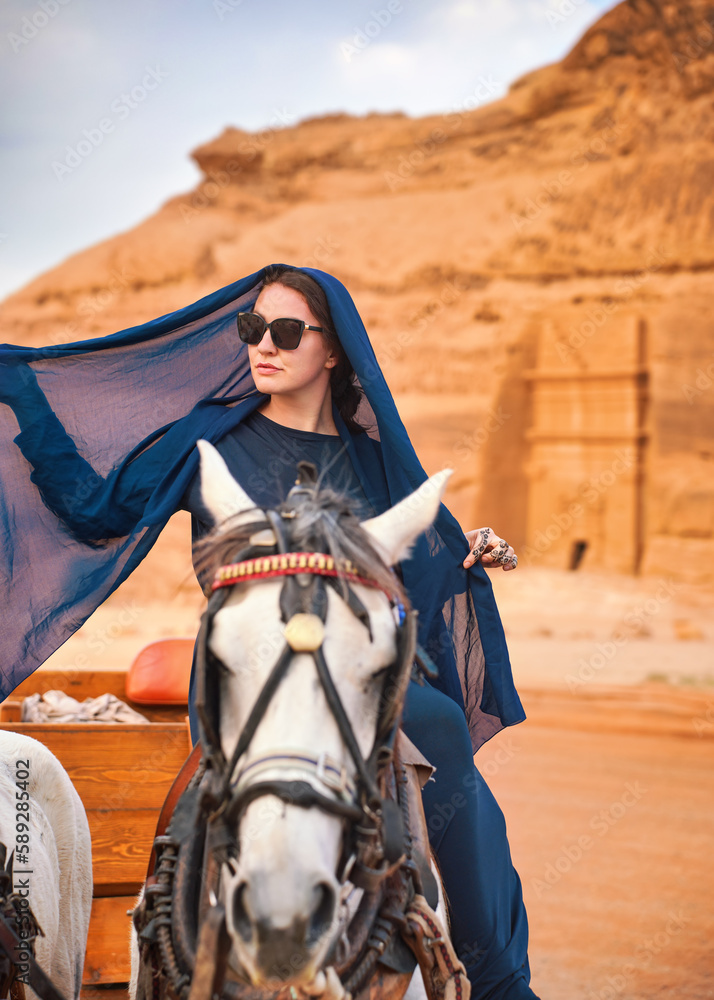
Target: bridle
374,823
180,922
18,930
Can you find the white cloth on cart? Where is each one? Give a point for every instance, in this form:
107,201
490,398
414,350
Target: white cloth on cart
56,706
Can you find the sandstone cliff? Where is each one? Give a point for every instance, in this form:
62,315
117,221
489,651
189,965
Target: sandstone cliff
536,275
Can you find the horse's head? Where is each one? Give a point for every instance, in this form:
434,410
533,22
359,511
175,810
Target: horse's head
306,664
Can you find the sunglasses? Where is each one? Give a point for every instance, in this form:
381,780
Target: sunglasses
286,333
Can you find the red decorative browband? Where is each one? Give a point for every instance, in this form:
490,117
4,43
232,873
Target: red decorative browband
289,564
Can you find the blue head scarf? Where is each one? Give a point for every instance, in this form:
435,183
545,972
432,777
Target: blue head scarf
98,446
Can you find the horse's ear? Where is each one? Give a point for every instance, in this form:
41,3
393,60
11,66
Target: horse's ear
394,532
221,494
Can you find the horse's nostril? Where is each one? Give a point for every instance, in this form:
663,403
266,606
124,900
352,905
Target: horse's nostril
241,920
323,911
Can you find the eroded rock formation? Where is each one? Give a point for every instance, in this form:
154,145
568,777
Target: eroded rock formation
536,275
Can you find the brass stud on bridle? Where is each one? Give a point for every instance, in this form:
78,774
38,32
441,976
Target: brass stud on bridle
304,633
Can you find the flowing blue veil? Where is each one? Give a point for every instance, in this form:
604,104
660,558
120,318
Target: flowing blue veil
98,448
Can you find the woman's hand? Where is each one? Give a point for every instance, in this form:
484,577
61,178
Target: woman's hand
485,545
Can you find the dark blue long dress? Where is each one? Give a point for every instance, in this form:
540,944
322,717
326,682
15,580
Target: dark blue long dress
98,450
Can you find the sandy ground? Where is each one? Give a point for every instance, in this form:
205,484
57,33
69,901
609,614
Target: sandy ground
610,833
607,788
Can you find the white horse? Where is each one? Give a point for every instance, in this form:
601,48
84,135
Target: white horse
42,820
295,783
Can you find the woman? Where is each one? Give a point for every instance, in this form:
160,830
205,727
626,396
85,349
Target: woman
112,449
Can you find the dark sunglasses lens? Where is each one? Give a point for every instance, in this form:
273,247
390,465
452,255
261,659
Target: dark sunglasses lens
251,328
286,333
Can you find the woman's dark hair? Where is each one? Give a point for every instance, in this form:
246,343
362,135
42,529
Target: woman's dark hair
346,394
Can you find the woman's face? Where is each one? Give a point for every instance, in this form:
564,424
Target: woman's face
276,372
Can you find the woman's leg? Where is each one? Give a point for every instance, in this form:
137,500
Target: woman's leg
467,831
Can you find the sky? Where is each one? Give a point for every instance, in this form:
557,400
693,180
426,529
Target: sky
104,100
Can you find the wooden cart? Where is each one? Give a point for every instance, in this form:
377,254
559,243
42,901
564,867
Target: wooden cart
122,774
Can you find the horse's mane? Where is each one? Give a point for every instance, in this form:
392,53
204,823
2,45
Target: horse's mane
322,521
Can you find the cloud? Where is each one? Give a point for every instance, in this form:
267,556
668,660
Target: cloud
427,63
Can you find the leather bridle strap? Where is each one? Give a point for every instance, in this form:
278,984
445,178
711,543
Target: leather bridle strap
344,725
294,793
38,980
259,709
320,769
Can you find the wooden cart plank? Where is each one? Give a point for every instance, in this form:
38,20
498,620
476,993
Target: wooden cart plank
108,957
121,844
78,684
109,763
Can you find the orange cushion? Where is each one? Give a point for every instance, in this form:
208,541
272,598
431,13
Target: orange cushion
160,673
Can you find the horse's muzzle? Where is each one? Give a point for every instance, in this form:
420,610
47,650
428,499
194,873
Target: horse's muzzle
280,944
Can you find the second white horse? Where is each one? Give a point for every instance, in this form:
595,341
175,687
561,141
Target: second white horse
44,825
